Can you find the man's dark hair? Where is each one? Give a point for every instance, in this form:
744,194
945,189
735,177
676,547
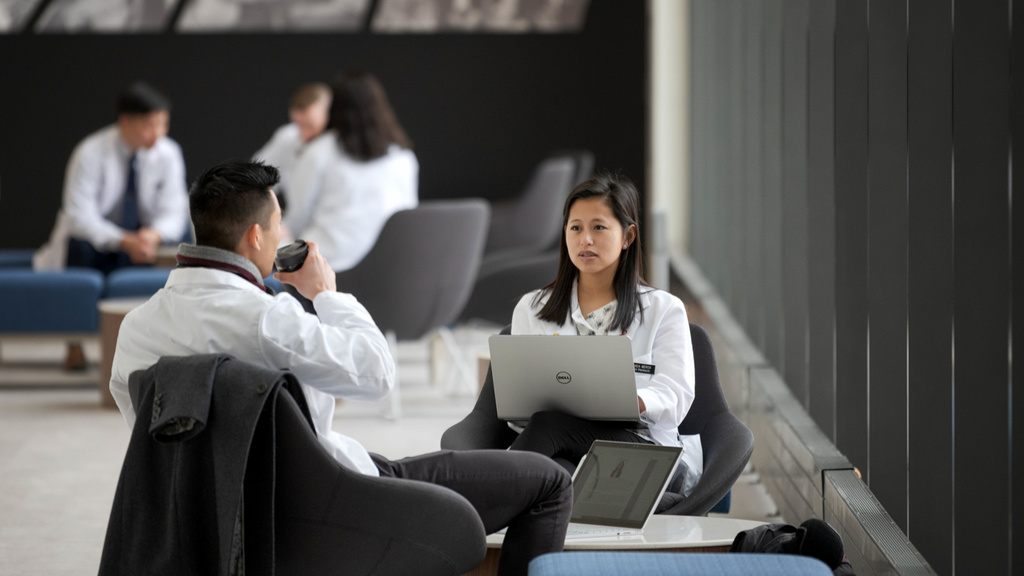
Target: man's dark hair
228,198
141,98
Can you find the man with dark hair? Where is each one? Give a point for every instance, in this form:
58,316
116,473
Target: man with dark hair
307,112
124,194
216,302
124,190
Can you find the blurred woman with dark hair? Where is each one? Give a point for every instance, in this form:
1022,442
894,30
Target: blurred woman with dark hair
352,178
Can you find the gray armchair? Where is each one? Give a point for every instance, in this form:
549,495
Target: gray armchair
331,520
420,272
522,243
726,441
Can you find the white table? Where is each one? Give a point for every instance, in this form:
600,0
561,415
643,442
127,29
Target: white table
663,533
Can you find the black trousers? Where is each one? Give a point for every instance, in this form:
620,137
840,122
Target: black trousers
526,492
82,254
566,438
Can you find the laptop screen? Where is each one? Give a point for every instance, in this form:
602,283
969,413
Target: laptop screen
620,483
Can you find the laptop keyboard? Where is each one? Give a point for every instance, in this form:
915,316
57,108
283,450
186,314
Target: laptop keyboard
594,531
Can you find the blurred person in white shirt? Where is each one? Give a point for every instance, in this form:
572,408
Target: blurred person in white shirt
307,113
353,177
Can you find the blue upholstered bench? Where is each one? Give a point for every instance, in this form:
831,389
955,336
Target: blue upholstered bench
138,282
135,282
16,258
65,303
675,564
50,302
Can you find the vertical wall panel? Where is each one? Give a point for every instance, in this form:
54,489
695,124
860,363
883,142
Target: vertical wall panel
851,229
753,66
698,126
1017,250
981,284
887,256
703,90
719,112
695,54
735,120
794,196
821,214
930,280
772,155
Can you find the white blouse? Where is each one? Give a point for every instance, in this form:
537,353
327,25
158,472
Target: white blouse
342,203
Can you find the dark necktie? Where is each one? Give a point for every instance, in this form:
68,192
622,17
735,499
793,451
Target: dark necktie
130,202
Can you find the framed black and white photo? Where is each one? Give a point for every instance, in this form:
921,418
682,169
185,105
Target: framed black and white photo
273,15
113,16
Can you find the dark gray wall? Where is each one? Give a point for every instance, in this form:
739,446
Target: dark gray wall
482,109
860,153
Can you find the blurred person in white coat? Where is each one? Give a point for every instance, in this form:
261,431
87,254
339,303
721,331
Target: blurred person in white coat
124,191
124,195
307,114
352,178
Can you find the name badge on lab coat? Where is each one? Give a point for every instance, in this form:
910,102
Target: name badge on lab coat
643,368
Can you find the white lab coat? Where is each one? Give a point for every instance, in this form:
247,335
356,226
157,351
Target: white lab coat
204,310
342,204
282,152
662,340
94,183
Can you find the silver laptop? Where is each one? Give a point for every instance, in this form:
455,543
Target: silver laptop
617,486
587,376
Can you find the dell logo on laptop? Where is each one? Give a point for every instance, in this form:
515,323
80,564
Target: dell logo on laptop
563,378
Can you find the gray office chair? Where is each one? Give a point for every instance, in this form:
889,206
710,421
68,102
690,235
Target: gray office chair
727,442
522,243
531,221
418,275
331,520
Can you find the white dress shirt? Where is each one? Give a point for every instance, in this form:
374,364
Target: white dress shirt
342,203
204,310
661,340
282,152
94,184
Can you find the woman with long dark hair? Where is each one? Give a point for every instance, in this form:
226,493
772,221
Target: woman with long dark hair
600,290
351,179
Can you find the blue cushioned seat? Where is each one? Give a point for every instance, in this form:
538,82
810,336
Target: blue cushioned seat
675,564
135,282
40,302
16,258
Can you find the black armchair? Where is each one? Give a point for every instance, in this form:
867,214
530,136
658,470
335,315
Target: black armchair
727,442
224,474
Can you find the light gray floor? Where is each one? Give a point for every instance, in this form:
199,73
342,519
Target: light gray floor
61,452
